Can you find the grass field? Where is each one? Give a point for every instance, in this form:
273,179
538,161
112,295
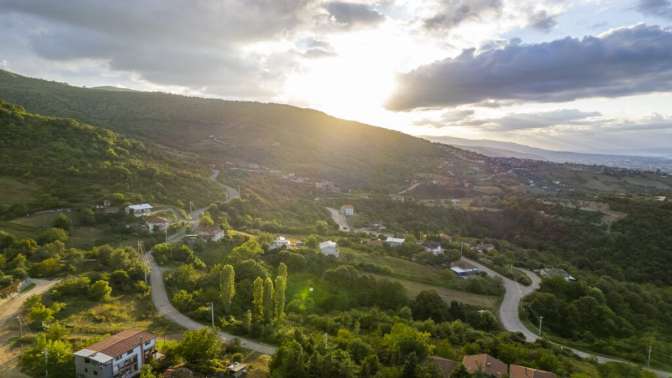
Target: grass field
13,192
405,269
448,295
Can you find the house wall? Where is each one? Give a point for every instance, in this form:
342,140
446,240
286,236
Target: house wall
135,352
92,369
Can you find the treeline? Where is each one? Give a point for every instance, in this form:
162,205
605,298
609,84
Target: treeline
66,162
607,315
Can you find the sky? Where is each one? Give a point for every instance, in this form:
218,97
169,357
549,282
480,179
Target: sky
577,75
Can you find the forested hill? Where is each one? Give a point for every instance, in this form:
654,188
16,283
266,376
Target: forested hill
50,162
311,143
279,136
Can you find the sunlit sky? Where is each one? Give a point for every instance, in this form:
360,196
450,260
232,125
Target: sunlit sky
581,75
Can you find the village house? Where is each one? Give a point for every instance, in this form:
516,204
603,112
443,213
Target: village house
118,356
237,370
157,224
139,210
214,234
444,366
484,247
280,242
517,371
434,248
348,210
486,364
394,242
329,248
463,272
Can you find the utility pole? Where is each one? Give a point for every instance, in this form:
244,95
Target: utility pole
20,326
648,360
541,320
461,247
46,363
212,314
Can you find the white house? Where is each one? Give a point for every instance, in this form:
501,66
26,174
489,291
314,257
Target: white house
434,248
120,355
280,242
139,210
329,248
348,210
464,272
394,242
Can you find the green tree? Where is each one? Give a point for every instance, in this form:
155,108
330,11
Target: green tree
147,371
280,290
227,286
52,234
100,291
269,300
62,221
370,366
289,361
247,321
258,299
60,361
206,220
201,349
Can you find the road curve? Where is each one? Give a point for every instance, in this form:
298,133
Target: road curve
510,317
514,293
166,309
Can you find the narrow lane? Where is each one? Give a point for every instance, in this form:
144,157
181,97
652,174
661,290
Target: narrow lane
166,309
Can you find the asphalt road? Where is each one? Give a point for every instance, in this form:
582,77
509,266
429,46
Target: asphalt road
166,309
510,316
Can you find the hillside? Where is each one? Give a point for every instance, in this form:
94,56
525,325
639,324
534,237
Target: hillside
50,162
309,143
495,148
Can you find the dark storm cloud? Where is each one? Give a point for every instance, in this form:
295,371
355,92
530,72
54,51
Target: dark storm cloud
353,14
452,13
195,44
541,20
660,8
623,62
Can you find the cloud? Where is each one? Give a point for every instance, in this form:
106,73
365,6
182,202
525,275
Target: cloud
540,120
447,119
201,46
353,14
543,21
625,61
659,8
452,13
314,48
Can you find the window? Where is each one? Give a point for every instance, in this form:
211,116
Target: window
86,370
86,360
95,372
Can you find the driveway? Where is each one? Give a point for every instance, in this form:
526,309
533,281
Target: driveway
339,219
166,309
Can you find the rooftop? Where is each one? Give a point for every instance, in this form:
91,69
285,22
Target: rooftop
118,344
517,371
140,206
485,363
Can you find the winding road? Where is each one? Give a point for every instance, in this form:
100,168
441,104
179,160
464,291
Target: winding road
510,317
166,309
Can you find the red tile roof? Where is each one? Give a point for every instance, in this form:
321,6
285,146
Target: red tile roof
518,371
485,363
122,342
444,365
